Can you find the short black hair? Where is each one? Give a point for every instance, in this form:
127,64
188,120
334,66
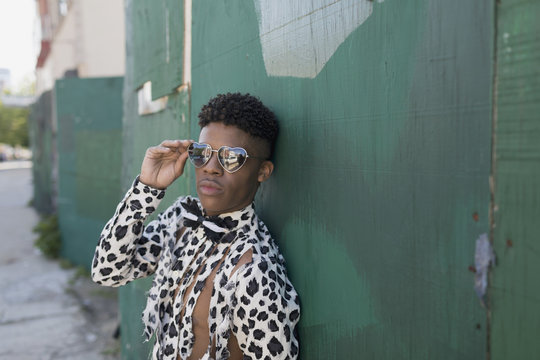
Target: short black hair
244,111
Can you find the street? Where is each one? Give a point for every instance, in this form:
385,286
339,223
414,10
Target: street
46,312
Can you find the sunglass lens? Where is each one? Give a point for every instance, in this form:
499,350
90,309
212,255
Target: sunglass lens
232,159
198,154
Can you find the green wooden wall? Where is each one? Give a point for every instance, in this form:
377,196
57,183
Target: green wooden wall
89,118
147,61
157,52
381,184
42,142
515,292
383,158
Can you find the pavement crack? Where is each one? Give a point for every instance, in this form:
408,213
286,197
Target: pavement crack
62,313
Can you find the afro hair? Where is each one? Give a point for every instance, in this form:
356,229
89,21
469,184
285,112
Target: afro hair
244,111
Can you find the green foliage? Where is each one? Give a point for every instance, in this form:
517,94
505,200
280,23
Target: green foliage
14,126
49,241
80,272
65,264
113,350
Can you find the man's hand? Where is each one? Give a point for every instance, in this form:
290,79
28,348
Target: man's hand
164,163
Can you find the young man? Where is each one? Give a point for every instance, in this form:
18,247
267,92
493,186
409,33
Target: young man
220,289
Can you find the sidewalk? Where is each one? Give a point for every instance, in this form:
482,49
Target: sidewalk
18,164
46,312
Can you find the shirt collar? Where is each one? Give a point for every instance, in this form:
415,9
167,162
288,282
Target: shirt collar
218,228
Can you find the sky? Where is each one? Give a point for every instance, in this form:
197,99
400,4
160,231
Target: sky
18,49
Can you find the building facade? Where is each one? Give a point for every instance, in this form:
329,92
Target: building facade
80,39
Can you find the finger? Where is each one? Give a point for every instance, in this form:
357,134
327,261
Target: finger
173,143
177,145
161,153
158,150
181,163
169,143
184,144
155,150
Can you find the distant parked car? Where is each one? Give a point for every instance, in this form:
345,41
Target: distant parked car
7,151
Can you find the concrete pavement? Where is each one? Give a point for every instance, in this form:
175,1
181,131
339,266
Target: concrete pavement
46,312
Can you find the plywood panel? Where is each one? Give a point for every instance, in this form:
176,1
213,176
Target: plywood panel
382,161
158,27
42,136
89,114
515,291
140,132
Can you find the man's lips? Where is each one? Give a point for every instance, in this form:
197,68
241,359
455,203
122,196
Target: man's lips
209,187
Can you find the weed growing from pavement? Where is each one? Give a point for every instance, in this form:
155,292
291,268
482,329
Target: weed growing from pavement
80,272
49,240
65,264
113,350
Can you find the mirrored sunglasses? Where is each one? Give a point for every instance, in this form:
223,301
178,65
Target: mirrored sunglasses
231,159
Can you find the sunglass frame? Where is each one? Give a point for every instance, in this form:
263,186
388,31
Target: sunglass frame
224,147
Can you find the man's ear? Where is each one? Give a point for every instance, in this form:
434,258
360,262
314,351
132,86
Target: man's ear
265,170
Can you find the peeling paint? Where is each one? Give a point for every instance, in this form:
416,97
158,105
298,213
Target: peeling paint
146,105
299,37
484,257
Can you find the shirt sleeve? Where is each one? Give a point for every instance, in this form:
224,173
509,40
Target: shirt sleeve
128,250
266,312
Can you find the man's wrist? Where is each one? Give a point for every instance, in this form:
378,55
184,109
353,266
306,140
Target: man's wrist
140,185
149,183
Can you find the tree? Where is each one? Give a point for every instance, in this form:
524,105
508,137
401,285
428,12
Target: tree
14,126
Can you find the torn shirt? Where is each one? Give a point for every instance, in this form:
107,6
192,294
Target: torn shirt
257,302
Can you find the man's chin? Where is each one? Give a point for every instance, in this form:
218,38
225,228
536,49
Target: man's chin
211,205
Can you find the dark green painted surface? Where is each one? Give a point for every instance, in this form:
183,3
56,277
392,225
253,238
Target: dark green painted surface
139,133
158,27
89,117
43,153
382,160
515,292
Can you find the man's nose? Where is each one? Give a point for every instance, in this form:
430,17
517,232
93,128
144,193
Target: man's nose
212,166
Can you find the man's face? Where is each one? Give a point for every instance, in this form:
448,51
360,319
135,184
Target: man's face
222,192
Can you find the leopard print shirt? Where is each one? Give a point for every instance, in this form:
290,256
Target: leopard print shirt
257,302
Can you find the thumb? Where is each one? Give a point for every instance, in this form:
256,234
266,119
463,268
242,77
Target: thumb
181,163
